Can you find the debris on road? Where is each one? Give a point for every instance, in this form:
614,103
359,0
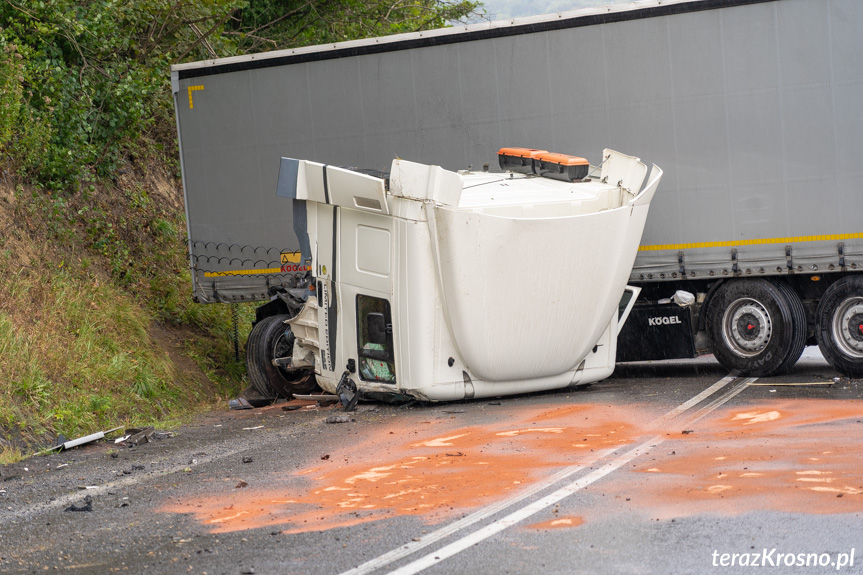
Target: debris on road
76,442
339,419
687,431
316,397
86,505
792,384
239,403
241,484
247,459
139,435
252,428
291,407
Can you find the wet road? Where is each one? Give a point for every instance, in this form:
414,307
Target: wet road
672,468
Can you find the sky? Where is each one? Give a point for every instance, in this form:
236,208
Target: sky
502,9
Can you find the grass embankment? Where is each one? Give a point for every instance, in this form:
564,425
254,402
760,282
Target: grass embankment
97,327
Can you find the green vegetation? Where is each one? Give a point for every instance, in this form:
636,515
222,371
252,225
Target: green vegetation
97,327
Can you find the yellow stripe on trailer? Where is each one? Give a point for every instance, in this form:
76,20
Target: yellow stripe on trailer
243,272
755,242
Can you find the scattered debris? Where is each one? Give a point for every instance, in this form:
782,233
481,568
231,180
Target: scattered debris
2,491
248,571
315,397
239,403
80,441
457,454
348,392
454,411
325,457
252,428
137,468
327,402
247,459
687,431
241,484
84,487
86,505
139,435
291,407
780,384
339,419
494,403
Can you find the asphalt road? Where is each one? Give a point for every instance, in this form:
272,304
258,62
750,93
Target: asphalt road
664,468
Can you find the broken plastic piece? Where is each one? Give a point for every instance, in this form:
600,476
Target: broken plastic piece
683,298
139,435
80,441
239,403
348,392
316,397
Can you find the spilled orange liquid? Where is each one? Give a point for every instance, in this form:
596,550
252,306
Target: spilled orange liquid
433,475
798,456
792,456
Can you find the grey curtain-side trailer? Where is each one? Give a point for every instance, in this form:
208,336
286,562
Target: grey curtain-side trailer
752,108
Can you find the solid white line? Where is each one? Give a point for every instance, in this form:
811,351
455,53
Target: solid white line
485,512
694,401
446,531
478,536
517,516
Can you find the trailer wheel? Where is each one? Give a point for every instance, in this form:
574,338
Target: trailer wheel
799,327
839,322
271,338
751,327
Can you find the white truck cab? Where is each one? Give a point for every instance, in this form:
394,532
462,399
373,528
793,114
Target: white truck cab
442,286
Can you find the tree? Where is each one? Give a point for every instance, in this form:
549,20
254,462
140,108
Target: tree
277,24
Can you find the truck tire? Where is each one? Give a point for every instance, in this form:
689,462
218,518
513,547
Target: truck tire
751,327
271,338
799,327
839,326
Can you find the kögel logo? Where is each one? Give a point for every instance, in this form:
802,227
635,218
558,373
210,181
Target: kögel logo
663,320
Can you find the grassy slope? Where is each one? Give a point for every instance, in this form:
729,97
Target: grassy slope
97,327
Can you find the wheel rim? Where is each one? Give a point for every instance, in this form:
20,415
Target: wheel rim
848,327
746,327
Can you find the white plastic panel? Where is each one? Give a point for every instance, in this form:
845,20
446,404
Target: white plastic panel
355,190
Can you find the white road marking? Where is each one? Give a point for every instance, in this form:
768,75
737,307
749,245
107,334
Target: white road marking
444,532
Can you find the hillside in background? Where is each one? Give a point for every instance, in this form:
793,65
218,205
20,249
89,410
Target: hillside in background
97,326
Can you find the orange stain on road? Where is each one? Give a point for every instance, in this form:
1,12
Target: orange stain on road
432,475
793,456
790,456
558,523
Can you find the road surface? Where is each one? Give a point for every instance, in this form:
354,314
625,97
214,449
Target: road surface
667,467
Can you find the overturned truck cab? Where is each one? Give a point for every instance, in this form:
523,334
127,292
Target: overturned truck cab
440,286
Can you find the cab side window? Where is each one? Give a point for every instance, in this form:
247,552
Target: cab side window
375,340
